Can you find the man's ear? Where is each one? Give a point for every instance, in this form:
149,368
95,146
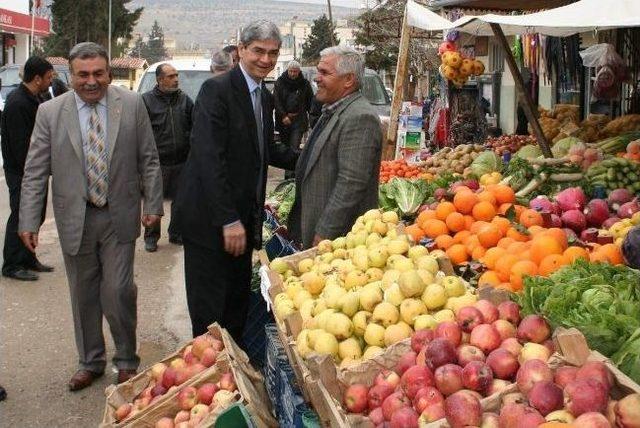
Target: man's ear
350,81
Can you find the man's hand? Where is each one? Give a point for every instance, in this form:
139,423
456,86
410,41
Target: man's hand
317,239
149,220
30,240
235,239
286,121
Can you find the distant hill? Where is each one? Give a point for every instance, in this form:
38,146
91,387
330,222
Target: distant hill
208,23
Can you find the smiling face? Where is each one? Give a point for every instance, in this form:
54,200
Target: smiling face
90,78
259,57
331,85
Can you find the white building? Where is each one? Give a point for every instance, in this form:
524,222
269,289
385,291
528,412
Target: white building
16,25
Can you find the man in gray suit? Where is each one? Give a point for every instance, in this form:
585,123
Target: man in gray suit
337,172
97,144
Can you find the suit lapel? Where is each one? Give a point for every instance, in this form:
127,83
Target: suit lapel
72,124
324,136
114,112
242,92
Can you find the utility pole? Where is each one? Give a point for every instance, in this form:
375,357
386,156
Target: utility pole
333,42
109,49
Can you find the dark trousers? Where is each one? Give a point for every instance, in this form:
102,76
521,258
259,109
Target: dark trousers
218,286
16,255
292,136
170,180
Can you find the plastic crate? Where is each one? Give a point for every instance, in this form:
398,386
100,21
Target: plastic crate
236,416
277,246
254,330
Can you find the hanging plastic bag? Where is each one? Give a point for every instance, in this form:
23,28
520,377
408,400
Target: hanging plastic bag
610,70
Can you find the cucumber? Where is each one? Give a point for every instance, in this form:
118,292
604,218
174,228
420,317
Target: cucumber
636,187
611,174
632,176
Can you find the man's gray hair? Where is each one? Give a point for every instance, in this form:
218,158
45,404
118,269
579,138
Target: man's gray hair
221,61
349,61
295,65
86,50
260,30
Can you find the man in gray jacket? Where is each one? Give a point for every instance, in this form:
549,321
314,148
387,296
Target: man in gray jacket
170,114
337,172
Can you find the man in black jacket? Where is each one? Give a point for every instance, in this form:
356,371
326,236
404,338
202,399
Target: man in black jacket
170,113
16,125
221,195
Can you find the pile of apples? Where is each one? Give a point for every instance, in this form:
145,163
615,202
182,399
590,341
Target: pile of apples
366,291
197,403
201,354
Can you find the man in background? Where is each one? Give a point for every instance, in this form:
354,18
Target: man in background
221,62
170,114
233,50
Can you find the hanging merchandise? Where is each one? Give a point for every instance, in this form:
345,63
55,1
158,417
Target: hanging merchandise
455,67
611,70
562,57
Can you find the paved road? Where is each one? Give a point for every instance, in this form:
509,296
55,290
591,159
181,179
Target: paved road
37,349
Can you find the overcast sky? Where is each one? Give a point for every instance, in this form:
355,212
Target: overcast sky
347,3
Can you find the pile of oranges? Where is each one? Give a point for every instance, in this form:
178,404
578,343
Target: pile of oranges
474,226
400,168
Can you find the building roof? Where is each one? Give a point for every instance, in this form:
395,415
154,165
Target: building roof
57,60
500,4
129,63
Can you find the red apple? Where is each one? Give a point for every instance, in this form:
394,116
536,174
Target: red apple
394,402
490,420
440,352
550,346
199,344
449,330
355,398
532,371
485,337
488,310
511,414
377,394
189,358
503,363
448,378
533,328
467,353
182,416
387,377
206,392
376,416
565,375
509,311
462,409
477,376
433,413
512,345
426,397
546,397
627,411
505,328
406,360
196,368
591,420
123,411
158,390
420,338
227,382
178,363
165,422
468,318
416,378
497,385
187,349
187,397
198,413
182,375
598,371
513,398
209,357
584,396
157,370
531,418
169,377
404,417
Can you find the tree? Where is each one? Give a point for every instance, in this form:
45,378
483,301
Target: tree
75,21
154,51
319,39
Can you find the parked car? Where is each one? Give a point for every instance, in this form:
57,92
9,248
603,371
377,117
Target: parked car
10,78
192,74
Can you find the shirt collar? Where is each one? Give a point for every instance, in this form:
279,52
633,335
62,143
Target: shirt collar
80,102
251,83
331,108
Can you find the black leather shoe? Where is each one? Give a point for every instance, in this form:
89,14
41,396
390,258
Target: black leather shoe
39,267
150,246
21,275
176,239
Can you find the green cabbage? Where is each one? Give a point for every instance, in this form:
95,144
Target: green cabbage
529,151
404,196
486,163
562,147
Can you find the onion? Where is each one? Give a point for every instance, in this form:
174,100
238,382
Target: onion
627,210
572,198
618,197
610,222
541,204
597,211
574,220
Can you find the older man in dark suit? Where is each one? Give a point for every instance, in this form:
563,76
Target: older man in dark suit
337,174
221,198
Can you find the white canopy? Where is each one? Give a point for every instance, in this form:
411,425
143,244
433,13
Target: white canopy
419,16
579,17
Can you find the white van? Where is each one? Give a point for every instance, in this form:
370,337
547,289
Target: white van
191,74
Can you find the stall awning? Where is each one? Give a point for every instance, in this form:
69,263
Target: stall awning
499,4
14,22
420,17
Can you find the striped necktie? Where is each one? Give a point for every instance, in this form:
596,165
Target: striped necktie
96,160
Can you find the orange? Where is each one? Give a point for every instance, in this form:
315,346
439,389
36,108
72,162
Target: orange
444,241
608,253
478,252
517,248
574,253
468,222
443,209
492,256
462,189
487,196
535,229
465,201
472,243
502,223
489,235
543,246
461,236
503,266
552,263
484,211
434,228
521,269
477,225
415,232
503,193
559,235
455,222
525,255
517,236
503,208
530,218
457,254
488,279
424,216
505,242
